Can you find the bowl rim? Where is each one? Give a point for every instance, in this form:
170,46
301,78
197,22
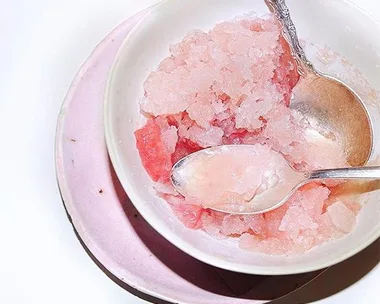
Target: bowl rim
112,148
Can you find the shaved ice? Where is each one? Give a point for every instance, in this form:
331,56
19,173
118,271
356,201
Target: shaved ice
232,85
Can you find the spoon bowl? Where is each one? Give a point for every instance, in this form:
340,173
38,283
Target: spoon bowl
336,112
329,105
248,179
145,48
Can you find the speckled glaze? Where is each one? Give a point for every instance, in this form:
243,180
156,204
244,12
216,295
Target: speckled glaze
109,225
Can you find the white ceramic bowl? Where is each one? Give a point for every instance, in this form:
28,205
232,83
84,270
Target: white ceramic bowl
336,23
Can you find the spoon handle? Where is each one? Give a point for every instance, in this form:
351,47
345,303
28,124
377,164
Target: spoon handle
282,13
346,173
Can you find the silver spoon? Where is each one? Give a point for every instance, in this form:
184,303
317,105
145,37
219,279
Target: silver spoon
330,106
191,178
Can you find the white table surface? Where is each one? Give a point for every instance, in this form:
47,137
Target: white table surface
43,43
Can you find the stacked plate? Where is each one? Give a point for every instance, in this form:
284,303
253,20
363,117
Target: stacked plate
114,232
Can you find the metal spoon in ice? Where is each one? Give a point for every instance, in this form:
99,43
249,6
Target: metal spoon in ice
328,104
248,179
331,108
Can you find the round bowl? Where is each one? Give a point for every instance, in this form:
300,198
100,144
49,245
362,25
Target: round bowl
336,23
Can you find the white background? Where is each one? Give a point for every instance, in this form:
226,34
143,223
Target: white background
43,44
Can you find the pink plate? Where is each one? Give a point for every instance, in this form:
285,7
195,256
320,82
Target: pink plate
108,224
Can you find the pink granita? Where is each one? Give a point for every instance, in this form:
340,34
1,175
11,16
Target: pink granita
232,85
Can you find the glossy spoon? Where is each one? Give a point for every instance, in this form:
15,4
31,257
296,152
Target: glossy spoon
248,179
329,105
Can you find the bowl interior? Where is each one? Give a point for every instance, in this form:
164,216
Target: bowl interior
335,23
